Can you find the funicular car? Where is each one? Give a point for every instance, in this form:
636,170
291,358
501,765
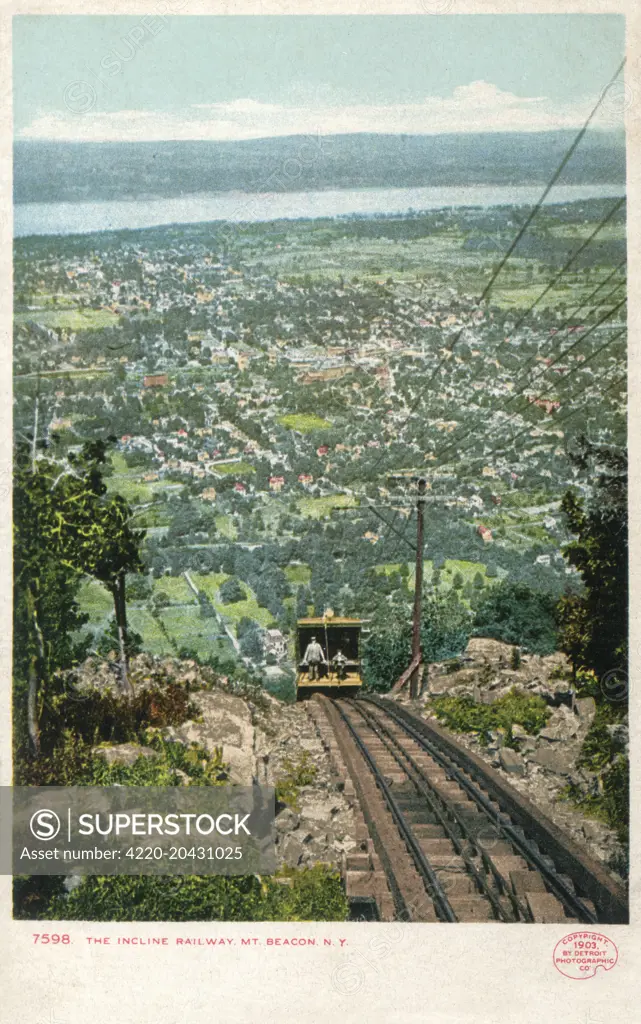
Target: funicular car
328,655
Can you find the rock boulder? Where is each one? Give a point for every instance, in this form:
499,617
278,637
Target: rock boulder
225,722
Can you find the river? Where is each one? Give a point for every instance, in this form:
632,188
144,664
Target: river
83,217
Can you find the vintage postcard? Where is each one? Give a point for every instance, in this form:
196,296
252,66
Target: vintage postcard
319,362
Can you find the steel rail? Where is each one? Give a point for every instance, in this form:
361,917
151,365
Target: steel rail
434,798
435,889
560,888
400,903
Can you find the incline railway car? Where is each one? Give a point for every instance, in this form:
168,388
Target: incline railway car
328,656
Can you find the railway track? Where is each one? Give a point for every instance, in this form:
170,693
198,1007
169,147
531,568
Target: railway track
448,839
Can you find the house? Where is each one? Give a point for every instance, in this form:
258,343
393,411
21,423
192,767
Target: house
209,494
323,450
484,533
149,477
155,380
306,479
240,488
548,404
373,538
274,643
496,499
276,483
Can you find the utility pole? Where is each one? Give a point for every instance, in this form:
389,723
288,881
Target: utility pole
412,673
418,590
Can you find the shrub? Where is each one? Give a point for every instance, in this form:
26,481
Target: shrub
73,721
102,715
297,773
611,804
73,763
462,714
604,753
231,592
445,629
311,894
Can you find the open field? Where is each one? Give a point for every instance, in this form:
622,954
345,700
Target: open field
248,608
304,423
95,599
70,319
300,574
135,491
176,588
451,568
226,528
321,508
458,258
232,468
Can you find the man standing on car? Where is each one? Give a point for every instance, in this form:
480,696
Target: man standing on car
314,658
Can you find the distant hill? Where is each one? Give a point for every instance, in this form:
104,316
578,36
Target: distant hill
73,171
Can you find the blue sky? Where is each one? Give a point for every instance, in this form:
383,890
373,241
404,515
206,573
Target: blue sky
88,77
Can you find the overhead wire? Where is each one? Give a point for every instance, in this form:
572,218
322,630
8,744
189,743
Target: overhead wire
497,271
521,232
486,456
519,393
568,263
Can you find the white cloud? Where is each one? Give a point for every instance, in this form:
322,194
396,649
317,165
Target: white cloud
479,106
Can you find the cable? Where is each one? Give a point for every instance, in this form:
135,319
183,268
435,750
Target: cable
521,232
604,220
405,540
549,366
389,526
539,397
598,288
560,419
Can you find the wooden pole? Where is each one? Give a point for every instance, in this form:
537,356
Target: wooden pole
418,592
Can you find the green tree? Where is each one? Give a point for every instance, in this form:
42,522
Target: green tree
516,614
103,543
231,591
66,526
595,625
574,629
303,600
46,613
445,630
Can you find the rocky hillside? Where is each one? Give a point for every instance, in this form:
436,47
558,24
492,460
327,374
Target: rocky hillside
261,740
540,765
